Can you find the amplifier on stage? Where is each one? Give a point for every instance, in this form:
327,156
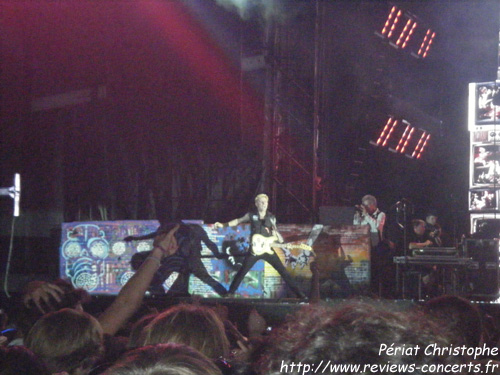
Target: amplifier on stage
483,278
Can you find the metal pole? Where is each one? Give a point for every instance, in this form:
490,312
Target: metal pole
317,97
267,143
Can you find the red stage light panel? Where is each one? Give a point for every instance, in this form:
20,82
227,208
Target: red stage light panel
406,33
392,21
419,148
426,43
388,22
406,140
391,130
423,145
402,30
403,137
410,33
386,132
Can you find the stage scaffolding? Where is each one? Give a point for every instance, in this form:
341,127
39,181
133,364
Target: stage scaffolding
293,114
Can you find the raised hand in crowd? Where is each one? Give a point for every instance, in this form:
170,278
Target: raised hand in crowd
37,292
132,294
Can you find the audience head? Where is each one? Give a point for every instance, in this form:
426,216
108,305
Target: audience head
164,359
136,337
66,340
194,325
72,298
353,333
459,316
16,360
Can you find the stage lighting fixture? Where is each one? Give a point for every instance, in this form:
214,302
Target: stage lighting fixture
402,30
403,141
400,137
422,142
406,33
392,21
426,43
386,132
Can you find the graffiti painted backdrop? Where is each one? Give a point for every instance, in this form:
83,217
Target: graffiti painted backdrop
95,257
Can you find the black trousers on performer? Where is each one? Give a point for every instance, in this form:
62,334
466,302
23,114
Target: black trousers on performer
186,267
274,261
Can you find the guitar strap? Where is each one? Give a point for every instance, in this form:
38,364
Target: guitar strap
315,231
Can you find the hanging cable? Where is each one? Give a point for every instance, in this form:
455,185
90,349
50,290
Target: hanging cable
9,257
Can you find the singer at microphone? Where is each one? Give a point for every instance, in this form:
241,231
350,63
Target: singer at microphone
368,214
381,275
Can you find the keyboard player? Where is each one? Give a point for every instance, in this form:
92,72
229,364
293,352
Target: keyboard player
419,238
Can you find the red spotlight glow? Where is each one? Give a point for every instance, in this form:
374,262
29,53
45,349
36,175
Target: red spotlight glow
205,59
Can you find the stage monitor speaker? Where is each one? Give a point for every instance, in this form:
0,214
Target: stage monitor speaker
483,274
336,215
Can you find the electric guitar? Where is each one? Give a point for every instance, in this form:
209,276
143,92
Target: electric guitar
262,245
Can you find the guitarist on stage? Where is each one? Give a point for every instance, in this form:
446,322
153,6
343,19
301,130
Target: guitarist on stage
262,223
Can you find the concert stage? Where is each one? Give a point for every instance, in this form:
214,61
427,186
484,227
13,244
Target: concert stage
95,257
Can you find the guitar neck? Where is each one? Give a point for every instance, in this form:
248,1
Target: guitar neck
291,246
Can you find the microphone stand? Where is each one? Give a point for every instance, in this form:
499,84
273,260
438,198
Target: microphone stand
402,205
405,231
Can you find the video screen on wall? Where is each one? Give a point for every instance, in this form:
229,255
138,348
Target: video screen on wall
485,166
484,105
483,200
487,224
